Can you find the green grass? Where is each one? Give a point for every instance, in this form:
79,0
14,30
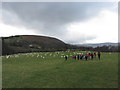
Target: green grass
52,71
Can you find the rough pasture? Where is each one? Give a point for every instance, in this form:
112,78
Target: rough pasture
50,70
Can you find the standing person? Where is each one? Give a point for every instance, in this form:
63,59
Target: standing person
78,57
66,57
98,55
92,56
75,57
82,55
86,56
89,54
95,54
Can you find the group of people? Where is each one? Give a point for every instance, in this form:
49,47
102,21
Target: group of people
85,56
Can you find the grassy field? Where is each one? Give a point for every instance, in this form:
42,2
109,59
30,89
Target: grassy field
50,70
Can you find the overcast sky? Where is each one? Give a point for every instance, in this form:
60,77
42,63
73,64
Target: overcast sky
71,22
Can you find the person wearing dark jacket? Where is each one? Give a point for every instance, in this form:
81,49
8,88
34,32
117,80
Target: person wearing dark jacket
86,56
99,55
66,57
78,57
92,56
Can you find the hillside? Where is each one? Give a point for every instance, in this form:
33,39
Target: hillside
98,44
31,43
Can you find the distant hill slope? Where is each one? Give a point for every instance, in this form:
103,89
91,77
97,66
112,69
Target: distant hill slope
99,44
31,43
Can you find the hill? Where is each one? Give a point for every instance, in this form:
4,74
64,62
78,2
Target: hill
31,43
98,44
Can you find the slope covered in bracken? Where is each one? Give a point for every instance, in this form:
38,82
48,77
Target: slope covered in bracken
31,43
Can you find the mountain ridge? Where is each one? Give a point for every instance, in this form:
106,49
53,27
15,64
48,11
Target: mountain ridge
34,43
99,44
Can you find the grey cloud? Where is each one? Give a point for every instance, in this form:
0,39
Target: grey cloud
0,10
80,38
50,18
